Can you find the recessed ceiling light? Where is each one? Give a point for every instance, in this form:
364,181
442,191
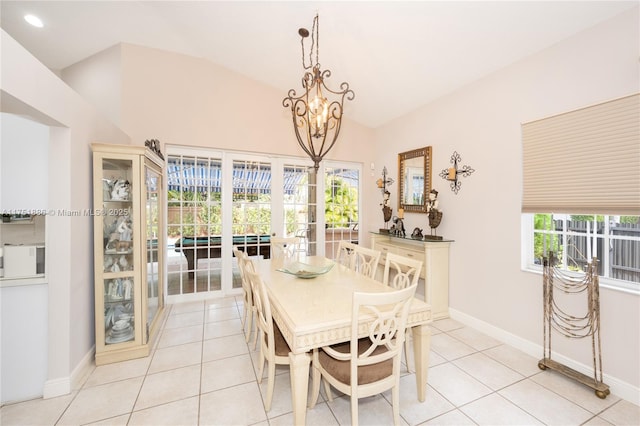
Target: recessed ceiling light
34,20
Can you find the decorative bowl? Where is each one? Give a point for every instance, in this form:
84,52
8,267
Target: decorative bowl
305,270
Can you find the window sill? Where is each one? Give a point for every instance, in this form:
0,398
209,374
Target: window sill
18,282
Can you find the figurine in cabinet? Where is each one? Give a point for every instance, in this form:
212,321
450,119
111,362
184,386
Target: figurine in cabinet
120,191
124,231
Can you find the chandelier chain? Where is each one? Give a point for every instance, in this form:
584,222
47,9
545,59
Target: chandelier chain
315,45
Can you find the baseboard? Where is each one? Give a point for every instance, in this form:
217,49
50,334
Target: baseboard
56,387
64,385
618,387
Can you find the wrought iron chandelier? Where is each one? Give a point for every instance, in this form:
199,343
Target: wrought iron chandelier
316,119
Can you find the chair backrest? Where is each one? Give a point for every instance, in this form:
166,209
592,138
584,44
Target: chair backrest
389,311
407,271
284,247
263,307
345,256
366,261
244,264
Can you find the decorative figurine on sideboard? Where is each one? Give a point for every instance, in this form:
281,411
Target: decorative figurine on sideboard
398,225
435,215
417,234
386,209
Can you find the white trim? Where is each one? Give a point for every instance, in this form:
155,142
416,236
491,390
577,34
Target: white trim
56,387
64,385
618,387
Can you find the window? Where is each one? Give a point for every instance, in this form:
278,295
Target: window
576,239
587,160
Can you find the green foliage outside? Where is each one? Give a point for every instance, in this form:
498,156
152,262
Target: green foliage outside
544,222
341,203
202,211
202,214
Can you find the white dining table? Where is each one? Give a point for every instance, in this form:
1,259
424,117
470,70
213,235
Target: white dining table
313,313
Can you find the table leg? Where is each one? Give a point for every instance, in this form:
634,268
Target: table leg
299,385
421,347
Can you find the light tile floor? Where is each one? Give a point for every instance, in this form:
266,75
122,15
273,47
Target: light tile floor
203,372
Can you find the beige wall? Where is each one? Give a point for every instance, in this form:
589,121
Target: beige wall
183,100
98,80
482,123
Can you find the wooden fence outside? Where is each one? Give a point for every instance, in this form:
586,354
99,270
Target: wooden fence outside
624,255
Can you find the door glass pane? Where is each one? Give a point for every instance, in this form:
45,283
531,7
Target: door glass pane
300,206
341,207
194,224
251,209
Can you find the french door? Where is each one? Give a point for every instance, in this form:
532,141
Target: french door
217,200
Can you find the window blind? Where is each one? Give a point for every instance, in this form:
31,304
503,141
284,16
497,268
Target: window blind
584,161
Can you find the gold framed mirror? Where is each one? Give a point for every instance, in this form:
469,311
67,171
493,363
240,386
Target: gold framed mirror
414,177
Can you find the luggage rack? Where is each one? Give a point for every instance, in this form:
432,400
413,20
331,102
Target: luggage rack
571,326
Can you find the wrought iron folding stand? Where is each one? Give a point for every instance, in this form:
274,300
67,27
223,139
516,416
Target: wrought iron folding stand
572,326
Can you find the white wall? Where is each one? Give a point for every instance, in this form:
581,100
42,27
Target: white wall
24,146
28,87
102,87
482,123
23,331
24,171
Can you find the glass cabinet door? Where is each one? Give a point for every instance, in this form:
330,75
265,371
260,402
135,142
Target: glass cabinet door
152,224
118,244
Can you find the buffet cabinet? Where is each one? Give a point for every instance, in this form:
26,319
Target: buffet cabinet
434,255
128,208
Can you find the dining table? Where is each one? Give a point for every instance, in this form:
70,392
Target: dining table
316,312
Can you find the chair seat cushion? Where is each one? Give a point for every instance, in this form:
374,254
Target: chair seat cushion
282,348
341,370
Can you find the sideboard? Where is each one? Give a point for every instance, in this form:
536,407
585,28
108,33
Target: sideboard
435,265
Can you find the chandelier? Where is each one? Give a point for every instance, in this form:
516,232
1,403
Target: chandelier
316,119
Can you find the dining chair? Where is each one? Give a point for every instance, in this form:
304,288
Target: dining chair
249,308
358,258
365,260
402,272
284,247
274,349
345,252
369,365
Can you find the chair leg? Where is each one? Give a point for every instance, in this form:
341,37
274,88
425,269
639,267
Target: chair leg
406,353
255,336
354,409
327,389
395,402
248,319
315,380
261,360
271,382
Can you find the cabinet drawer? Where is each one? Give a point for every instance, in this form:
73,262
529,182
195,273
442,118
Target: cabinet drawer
411,254
384,249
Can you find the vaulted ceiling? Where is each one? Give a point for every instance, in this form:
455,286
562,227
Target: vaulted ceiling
395,55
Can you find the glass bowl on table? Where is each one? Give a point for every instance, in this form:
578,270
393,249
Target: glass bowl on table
307,268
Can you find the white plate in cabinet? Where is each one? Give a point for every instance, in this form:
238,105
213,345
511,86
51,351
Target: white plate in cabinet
435,269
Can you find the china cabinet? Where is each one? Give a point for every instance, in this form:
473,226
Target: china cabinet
129,250
435,265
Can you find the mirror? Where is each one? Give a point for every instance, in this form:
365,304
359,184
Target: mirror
414,170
